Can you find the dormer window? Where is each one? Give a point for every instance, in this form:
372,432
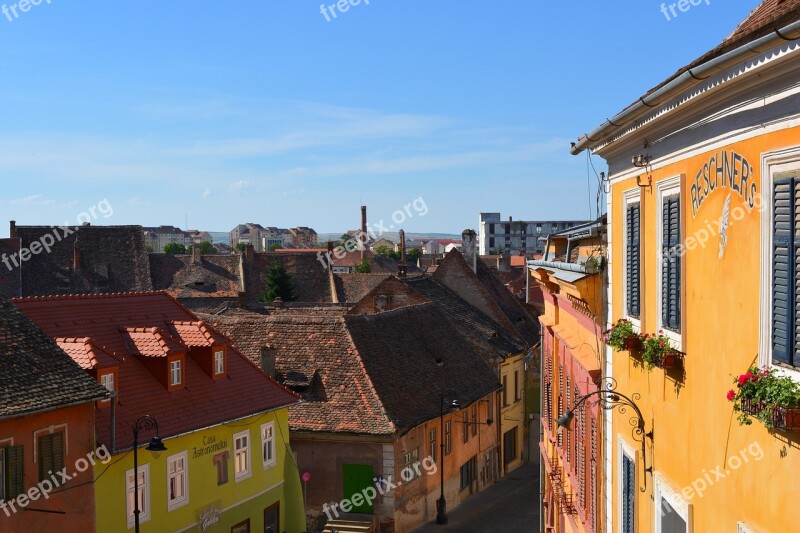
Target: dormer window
219,362
175,377
107,380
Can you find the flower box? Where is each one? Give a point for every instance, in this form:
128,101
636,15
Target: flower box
633,344
670,361
783,418
767,396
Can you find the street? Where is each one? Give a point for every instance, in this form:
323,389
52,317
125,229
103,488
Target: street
510,506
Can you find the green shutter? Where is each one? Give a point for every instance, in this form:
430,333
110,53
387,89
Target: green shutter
633,260
671,263
783,270
15,471
51,454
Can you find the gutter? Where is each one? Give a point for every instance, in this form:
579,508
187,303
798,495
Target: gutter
571,267
55,407
683,82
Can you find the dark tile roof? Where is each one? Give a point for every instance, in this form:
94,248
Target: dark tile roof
525,326
212,276
112,259
35,374
108,319
468,319
9,274
400,349
350,288
311,342
311,279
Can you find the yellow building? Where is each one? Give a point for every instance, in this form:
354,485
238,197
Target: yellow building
703,224
572,281
512,411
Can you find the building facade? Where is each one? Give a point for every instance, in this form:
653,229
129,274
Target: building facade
159,237
520,236
703,245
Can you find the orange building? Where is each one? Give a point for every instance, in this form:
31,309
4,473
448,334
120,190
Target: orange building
572,282
703,247
47,447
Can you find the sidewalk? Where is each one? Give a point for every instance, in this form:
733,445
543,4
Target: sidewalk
509,506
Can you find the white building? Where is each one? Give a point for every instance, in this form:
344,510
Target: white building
527,236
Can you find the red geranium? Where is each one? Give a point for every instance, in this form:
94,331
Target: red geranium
731,395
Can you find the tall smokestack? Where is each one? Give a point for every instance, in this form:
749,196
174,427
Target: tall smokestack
76,256
402,266
363,237
13,230
468,238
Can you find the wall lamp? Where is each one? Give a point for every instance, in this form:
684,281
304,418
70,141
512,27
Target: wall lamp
608,398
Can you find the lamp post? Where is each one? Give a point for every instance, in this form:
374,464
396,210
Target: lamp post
441,503
608,399
155,445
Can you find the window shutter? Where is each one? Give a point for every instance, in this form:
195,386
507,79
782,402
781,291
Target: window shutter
58,451
633,259
629,494
15,471
45,457
783,269
671,264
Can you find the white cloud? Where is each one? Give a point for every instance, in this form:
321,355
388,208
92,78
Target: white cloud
206,193
33,199
239,185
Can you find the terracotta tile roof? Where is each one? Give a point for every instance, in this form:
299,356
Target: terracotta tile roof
35,374
109,320
112,259
310,277
151,342
400,350
213,276
523,323
197,333
311,342
86,353
352,287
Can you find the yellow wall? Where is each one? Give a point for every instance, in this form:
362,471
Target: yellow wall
695,427
514,414
235,501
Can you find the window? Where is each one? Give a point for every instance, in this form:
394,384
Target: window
143,494
432,444
447,438
268,445
175,372
221,462
632,256
785,270
177,481
50,454
516,386
505,391
474,419
219,362
12,472
669,276
468,472
107,380
241,527
241,455
627,488
672,512
410,465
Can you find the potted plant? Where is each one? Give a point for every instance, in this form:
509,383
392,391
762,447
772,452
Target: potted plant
621,336
766,395
657,351
593,264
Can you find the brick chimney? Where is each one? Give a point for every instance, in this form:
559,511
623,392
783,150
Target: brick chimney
267,360
242,300
249,252
76,256
12,233
196,256
362,239
468,238
402,266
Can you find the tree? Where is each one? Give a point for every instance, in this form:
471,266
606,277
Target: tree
277,283
207,248
363,267
240,246
173,248
149,248
274,247
413,255
385,251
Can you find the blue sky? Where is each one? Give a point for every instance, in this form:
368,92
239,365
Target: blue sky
228,112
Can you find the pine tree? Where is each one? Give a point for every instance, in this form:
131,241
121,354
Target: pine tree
278,283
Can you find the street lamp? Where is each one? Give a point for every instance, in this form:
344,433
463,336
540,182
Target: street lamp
441,503
155,445
609,398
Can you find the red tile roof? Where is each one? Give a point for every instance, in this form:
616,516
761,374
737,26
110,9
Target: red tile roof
108,318
152,342
86,353
197,333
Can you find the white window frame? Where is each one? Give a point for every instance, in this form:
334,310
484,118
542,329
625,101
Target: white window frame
244,474
663,490
219,357
265,441
630,197
144,515
624,450
665,188
772,163
113,381
174,504
172,382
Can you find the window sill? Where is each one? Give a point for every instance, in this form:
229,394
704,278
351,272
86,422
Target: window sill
267,466
241,477
171,506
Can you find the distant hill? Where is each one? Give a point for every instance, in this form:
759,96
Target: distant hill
394,236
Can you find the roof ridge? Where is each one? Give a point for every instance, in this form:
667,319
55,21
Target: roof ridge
86,296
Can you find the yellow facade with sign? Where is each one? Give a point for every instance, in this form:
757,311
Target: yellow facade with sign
239,476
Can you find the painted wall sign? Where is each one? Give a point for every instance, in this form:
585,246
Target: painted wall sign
208,518
724,170
210,445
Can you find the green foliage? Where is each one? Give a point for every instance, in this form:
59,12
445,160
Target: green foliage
764,390
362,267
173,248
618,334
149,248
385,251
207,248
274,247
278,283
240,246
655,348
413,255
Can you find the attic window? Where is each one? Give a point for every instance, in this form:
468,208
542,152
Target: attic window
199,283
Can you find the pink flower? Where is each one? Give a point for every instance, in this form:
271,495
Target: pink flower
744,378
731,395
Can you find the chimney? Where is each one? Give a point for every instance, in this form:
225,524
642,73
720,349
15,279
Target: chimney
330,247
196,257
267,357
402,266
242,300
362,239
468,245
249,251
12,233
510,219
504,262
278,302
76,256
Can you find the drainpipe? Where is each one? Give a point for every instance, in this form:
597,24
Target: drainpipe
683,82
113,428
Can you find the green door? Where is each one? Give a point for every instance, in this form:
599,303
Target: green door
356,479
